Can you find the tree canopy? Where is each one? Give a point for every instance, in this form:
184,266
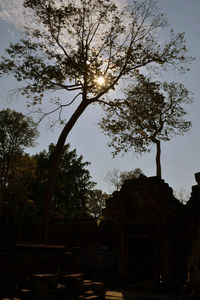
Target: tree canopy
88,45
96,201
23,194
16,133
17,194
116,178
151,112
73,183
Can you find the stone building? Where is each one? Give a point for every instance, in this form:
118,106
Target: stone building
153,239
193,217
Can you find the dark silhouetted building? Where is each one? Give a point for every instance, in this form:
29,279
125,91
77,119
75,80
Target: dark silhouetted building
153,237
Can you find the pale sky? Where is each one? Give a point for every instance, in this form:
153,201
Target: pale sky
180,157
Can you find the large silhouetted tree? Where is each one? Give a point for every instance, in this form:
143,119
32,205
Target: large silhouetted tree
86,47
150,112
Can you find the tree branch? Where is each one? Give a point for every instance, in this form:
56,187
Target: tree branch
59,108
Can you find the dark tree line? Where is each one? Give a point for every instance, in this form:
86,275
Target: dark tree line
23,177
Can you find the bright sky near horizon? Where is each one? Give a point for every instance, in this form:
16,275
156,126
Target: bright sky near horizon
180,157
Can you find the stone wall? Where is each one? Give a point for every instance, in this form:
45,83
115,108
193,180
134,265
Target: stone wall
151,231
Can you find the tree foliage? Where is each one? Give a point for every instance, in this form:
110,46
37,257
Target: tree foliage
151,112
96,201
78,41
116,178
23,195
16,133
17,193
182,195
73,182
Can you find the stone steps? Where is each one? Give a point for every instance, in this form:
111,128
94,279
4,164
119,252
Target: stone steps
53,287
92,290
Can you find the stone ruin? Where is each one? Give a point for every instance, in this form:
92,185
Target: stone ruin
152,243
145,235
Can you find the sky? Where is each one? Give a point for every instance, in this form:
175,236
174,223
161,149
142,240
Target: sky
180,157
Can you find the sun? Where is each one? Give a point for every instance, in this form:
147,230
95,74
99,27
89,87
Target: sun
100,80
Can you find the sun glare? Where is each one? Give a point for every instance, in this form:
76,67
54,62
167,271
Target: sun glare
100,80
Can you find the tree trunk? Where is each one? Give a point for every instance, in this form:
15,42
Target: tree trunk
158,154
57,155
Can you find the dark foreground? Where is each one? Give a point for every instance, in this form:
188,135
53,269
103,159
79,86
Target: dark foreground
46,272
71,287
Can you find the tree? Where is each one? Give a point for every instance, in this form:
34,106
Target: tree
182,195
86,47
151,112
73,182
16,132
116,178
96,201
17,194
